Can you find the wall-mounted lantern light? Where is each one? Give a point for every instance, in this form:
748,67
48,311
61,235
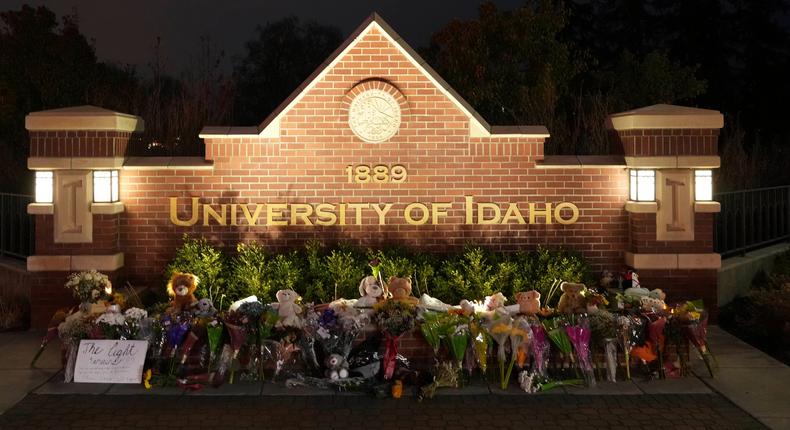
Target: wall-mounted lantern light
643,185
105,186
44,186
703,185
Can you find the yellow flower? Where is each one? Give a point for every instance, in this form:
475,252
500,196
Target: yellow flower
500,328
147,379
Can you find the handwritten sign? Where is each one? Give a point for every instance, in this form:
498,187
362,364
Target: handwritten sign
113,361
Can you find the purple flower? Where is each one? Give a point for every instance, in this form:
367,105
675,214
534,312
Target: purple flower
328,319
176,333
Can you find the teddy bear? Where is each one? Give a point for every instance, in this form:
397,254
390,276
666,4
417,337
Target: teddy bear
654,301
337,367
181,288
204,308
370,292
288,309
528,302
400,290
571,300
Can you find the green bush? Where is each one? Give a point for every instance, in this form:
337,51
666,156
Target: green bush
250,273
285,272
346,268
200,258
319,274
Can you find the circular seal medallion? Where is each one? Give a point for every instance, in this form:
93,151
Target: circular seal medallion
374,115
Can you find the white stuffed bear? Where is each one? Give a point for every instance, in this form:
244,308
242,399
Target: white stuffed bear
288,310
337,367
370,292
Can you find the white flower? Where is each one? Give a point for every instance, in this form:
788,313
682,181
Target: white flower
136,314
88,277
111,318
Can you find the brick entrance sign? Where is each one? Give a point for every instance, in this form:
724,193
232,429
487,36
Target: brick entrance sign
374,148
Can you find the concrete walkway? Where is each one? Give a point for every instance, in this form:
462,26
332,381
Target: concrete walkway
16,377
750,379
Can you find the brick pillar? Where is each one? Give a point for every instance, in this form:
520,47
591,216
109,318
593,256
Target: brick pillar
73,232
671,236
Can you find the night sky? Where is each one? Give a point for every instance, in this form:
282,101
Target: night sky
125,31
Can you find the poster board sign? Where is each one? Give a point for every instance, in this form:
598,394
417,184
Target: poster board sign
110,361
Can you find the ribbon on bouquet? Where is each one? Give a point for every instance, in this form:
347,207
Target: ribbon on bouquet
390,353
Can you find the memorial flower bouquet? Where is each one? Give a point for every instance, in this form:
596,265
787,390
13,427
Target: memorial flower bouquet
71,331
579,335
625,336
135,319
89,287
112,323
692,319
431,327
481,341
394,318
520,337
455,333
499,327
540,350
555,329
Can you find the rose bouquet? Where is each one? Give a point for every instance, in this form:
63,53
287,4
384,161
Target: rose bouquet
236,324
89,287
394,318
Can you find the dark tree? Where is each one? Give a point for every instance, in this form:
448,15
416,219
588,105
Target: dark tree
282,55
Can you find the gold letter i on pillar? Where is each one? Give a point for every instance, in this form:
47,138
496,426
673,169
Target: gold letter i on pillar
73,220
675,217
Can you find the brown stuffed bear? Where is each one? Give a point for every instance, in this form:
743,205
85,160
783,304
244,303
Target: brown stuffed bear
400,289
181,288
528,302
572,301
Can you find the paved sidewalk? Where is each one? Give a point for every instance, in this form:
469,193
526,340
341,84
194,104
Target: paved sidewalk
750,378
755,384
357,412
16,377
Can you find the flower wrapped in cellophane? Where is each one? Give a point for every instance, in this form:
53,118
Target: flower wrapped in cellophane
394,318
520,337
500,327
455,333
112,323
540,350
430,327
481,340
555,329
692,319
71,331
579,335
625,337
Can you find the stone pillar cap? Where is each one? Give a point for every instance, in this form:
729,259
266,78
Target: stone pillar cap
663,116
82,118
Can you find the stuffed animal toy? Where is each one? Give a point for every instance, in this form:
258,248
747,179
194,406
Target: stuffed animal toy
181,288
288,309
528,302
495,301
400,289
607,280
571,300
654,301
204,308
370,292
336,367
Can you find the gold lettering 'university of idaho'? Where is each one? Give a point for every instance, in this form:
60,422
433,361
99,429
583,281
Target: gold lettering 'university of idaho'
329,214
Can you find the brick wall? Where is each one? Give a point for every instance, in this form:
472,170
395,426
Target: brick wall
643,236
306,165
82,143
660,142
